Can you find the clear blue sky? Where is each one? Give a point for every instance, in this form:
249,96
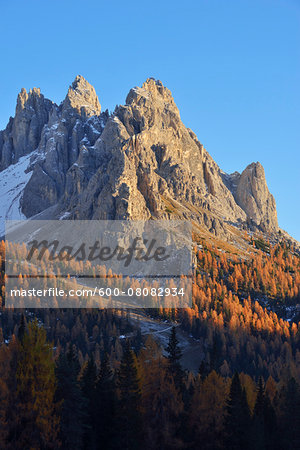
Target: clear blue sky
233,67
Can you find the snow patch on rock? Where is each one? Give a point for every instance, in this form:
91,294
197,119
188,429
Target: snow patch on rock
12,183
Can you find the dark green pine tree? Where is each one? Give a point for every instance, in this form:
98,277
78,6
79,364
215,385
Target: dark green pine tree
105,407
174,356
290,418
203,370
129,417
22,328
215,353
258,436
73,403
237,420
88,389
264,422
270,422
260,399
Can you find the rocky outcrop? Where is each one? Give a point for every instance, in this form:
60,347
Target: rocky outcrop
146,158
72,129
81,99
140,162
23,132
252,194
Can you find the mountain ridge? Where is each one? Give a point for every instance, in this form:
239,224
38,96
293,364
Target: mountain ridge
131,164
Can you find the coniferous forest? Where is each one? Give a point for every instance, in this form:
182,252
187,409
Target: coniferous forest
89,379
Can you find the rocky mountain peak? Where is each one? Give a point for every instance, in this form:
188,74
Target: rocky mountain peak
23,132
253,195
147,159
82,98
154,93
138,163
21,100
67,140
30,99
151,105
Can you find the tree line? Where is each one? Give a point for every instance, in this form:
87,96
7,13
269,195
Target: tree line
149,401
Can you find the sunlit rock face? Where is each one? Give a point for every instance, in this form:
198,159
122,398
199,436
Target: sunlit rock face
252,194
140,162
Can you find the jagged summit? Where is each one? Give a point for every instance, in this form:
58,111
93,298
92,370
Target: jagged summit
79,82
137,163
152,91
23,132
148,106
253,195
82,98
24,98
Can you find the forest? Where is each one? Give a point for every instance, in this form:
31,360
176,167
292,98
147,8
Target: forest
88,378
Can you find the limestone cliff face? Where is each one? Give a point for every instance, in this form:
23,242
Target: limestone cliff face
253,196
137,163
148,158
71,128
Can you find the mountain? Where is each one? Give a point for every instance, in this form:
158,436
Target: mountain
139,162
223,373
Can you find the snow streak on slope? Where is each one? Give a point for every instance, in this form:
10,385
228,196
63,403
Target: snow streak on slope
12,182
